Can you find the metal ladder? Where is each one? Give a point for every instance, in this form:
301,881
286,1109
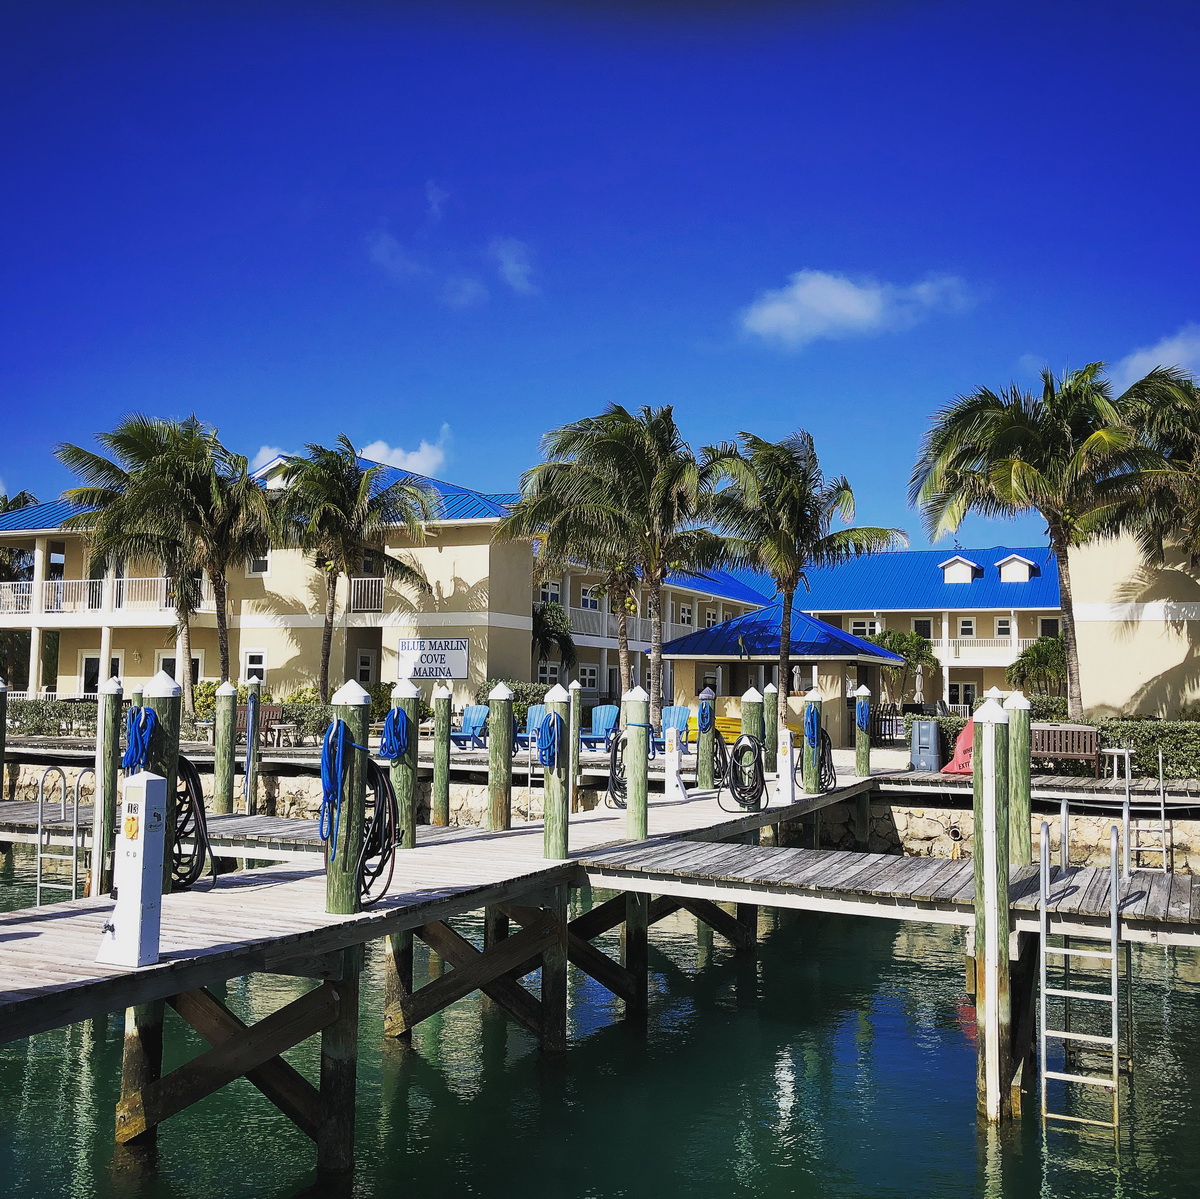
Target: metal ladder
1150,820
1081,1049
44,846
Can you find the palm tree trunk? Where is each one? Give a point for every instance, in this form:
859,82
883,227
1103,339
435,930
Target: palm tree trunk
1070,645
654,603
623,646
183,669
331,582
785,649
220,596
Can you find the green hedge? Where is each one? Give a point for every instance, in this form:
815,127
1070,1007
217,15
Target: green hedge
524,694
52,717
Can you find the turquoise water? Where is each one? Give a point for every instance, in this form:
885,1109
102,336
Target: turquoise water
838,1062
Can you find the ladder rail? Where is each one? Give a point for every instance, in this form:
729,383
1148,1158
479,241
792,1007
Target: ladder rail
44,834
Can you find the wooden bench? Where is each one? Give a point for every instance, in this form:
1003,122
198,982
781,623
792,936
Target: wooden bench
1078,741
271,726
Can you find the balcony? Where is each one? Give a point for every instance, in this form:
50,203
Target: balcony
591,622
73,601
15,598
980,651
366,594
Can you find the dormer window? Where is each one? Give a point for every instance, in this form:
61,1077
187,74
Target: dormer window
1015,569
958,570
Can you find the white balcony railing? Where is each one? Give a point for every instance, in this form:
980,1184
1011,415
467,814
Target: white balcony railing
366,595
15,597
592,622
142,595
72,595
977,647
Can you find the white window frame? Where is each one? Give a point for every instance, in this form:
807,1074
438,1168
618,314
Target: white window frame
923,620
245,676
870,626
550,592
685,615
589,676
958,692
1007,622
368,658
259,574
963,622
161,655
119,654
1042,620
589,598
710,618
547,674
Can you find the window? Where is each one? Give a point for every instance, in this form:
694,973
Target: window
864,628
166,662
589,598
549,593
685,614
710,617
365,670
257,568
963,693
1048,626
254,664
368,563
1003,626
547,673
923,627
589,676
966,626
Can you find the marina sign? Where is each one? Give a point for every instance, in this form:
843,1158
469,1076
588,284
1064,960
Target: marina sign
433,658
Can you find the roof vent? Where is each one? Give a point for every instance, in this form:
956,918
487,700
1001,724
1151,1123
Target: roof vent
958,569
1015,569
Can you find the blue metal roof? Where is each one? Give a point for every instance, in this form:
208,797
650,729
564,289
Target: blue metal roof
725,584
37,516
756,635
911,581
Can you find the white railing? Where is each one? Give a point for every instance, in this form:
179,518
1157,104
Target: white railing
15,597
591,622
366,595
142,594
72,595
958,647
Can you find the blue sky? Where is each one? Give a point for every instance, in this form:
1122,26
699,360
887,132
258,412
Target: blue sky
443,228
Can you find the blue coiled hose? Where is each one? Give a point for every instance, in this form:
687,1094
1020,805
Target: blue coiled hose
140,724
706,716
547,739
862,715
812,726
335,761
393,741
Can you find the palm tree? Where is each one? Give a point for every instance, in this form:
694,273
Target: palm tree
552,634
649,495
1040,666
341,511
139,506
917,651
16,566
1068,453
779,512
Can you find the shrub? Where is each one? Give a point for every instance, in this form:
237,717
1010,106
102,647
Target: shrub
52,717
1047,707
524,694
310,718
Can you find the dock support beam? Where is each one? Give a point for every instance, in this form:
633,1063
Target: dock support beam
555,805
500,751
439,800
108,762
993,1011
770,738
407,699
554,978
224,751
352,705
1020,831
339,1068
862,732
635,955
812,742
637,762
705,739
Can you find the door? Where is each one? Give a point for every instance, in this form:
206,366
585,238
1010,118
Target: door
91,672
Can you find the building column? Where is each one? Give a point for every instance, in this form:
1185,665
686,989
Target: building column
37,598
106,637
35,661
945,683
108,589
1012,630
720,680
602,682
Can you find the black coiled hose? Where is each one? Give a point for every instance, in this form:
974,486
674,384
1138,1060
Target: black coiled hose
826,773
744,776
381,836
720,758
187,863
618,787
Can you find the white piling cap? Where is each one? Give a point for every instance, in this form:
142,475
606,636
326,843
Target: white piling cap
993,693
772,688
405,689
753,696
254,681
814,695
1017,702
863,692
500,691
575,685
636,695
990,713
441,691
350,694
557,694
113,687
162,686
227,688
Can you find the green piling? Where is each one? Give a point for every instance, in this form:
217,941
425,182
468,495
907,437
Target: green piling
224,748
812,753
862,732
574,729
439,800
3,733
353,705
108,762
555,801
637,762
752,714
500,750
163,695
704,746
253,739
407,699
770,738
1020,832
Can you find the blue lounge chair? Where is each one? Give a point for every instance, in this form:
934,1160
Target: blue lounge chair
676,717
604,720
473,734
536,713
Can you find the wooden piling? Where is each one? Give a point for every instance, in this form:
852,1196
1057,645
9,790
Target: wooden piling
353,705
500,751
770,738
224,748
635,948
407,699
108,762
637,762
575,728
141,1060
554,975
752,714
862,732
705,741
1020,831
812,753
993,1015
555,802
397,984
253,741
339,1065
163,696
4,735
439,800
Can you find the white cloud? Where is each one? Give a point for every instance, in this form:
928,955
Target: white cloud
266,453
391,257
435,197
463,293
816,304
1181,349
424,460
512,264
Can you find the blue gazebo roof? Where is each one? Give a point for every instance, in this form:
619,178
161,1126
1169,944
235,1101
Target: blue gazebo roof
756,636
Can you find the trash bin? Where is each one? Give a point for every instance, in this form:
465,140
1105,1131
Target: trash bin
926,745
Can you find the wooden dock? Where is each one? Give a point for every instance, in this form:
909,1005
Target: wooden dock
1101,793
